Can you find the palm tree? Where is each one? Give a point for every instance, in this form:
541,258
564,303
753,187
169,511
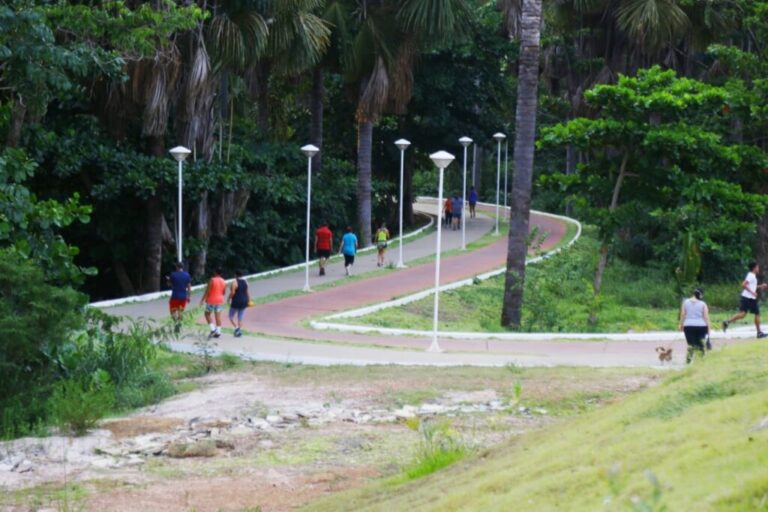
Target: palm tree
390,35
525,134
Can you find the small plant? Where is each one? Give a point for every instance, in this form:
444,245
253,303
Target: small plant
439,447
206,348
77,405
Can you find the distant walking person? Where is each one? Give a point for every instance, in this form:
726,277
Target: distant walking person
694,322
472,201
323,245
457,205
181,291
213,298
348,247
748,302
238,301
448,209
381,238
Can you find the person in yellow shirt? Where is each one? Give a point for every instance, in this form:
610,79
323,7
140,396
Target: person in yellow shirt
381,238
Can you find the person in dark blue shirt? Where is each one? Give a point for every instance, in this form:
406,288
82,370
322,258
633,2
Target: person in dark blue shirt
181,291
472,201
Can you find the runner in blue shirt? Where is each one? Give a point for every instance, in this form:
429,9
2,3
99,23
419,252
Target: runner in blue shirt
348,247
181,291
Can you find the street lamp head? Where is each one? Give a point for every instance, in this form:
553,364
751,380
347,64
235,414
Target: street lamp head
180,153
499,136
402,144
442,159
309,150
465,141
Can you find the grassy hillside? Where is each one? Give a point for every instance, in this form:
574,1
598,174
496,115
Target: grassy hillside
702,435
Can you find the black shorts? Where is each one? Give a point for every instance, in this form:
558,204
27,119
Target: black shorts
349,259
323,253
694,335
748,305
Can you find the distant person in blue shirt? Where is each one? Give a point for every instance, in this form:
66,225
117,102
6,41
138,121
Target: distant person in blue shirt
181,291
457,207
348,247
472,201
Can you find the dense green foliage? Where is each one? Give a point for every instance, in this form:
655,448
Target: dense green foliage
661,168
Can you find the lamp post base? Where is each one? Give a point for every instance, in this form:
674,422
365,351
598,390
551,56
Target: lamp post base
400,264
307,289
434,347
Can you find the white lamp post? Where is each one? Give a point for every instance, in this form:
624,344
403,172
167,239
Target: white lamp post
442,159
179,153
499,137
506,172
465,141
402,145
309,151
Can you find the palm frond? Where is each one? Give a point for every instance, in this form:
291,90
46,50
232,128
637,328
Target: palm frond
375,93
652,23
512,10
434,18
237,39
401,88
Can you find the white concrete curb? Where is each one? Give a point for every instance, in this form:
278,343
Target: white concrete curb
167,293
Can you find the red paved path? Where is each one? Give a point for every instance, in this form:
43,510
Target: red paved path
283,318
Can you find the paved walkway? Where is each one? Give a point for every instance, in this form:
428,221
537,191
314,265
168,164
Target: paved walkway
277,330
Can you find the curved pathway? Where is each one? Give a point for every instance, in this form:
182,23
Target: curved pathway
277,330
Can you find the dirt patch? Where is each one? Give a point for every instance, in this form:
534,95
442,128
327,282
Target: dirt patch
277,437
140,425
272,490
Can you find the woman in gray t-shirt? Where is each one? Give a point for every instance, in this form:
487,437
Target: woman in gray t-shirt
694,322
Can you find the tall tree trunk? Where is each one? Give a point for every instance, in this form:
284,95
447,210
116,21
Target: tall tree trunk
123,279
364,176
570,168
477,167
525,135
316,106
18,113
262,98
153,249
201,228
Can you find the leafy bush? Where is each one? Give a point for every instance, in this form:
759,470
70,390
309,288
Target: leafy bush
35,320
77,404
125,350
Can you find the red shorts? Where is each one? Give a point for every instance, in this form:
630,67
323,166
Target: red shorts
177,304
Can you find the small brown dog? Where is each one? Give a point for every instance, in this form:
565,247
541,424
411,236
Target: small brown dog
665,354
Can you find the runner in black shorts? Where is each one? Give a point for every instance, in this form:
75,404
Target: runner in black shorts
748,300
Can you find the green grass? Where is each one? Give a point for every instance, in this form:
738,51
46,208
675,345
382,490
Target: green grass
697,434
559,298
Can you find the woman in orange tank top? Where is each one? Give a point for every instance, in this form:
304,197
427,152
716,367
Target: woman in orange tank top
214,302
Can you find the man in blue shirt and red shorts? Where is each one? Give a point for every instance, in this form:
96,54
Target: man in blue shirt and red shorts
181,291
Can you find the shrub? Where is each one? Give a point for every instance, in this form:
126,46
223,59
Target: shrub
76,405
439,447
35,320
